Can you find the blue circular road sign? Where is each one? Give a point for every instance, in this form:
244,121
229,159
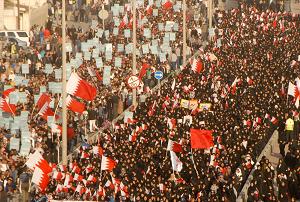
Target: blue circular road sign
158,75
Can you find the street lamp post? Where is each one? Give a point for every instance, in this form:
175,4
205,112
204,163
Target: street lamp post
64,85
134,101
184,31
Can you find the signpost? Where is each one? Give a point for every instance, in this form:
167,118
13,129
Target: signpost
158,75
103,15
133,82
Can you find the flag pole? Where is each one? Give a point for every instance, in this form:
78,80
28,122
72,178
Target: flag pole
56,107
194,163
11,109
64,85
32,110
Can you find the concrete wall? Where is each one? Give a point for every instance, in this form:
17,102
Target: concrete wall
295,7
39,15
230,4
10,19
1,14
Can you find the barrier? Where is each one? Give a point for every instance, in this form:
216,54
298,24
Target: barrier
242,197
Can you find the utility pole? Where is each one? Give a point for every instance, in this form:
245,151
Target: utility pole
184,31
1,15
29,14
18,17
134,101
210,12
64,86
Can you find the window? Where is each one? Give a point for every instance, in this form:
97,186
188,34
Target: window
12,40
22,34
2,34
11,34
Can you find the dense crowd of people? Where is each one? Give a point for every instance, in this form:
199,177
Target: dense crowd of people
245,79
241,75
43,58
283,185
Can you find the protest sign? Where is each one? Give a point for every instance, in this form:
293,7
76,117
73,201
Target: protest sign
128,115
13,98
204,106
25,68
106,75
184,103
14,143
118,62
68,47
193,104
58,74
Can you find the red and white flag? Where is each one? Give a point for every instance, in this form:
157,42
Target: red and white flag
171,123
294,91
176,163
174,146
249,81
149,9
124,22
9,108
97,150
6,93
152,109
57,175
291,89
133,136
85,155
36,160
197,65
92,178
74,105
267,116
233,86
46,111
45,98
81,88
78,177
80,189
101,191
107,163
109,184
247,123
40,178
56,128
173,84
274,120
76,169
62,168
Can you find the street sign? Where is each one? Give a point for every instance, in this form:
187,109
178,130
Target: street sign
133,81
158,75
103,14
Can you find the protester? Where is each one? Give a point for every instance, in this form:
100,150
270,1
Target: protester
44,61
247,91
241,73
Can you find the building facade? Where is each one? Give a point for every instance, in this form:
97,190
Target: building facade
19,14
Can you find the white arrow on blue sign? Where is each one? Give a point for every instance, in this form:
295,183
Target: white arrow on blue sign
158,75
